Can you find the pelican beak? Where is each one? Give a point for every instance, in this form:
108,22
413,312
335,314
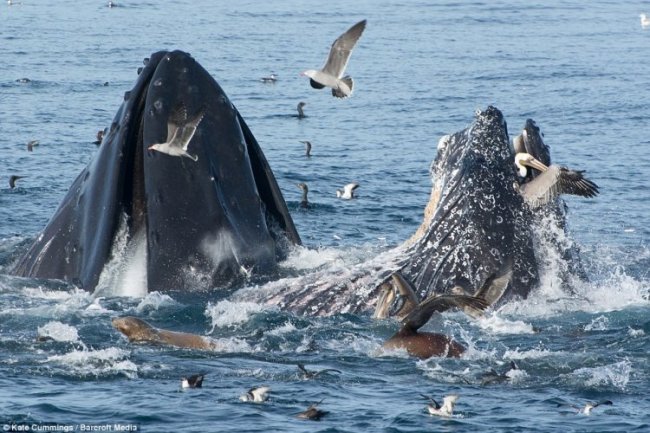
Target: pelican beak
535,163
384,302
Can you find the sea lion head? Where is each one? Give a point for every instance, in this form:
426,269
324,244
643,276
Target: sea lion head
135,329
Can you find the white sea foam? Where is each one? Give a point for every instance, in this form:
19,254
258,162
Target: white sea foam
301,258
54,304
498,325
153,301
288,327
600,323
516,354
96,362
635,332
58,331
615,375
227,313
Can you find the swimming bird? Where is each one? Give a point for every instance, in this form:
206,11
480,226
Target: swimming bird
306,374
552,181
313,412
304,203
347,193
100,137
493,377
397,298
194,381
180,130
586,409
12,180
307,148
447,408
645,21
331,75
491,291
301,113
271,79
31,144
257,395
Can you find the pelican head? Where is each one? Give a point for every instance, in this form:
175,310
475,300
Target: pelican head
522,160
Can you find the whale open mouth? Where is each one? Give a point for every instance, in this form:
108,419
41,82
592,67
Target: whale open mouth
181,203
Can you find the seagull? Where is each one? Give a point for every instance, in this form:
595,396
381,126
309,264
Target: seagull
180,131
256,395
100,137
313,412
270,79
194,381
301,113
645,21
306,374
12,180
552,181
331,75
307,148
31,144
586,410
304,203
347,192
447,408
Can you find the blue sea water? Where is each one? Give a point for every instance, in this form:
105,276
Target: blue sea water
421,69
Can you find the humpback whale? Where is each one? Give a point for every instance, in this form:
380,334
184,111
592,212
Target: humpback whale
476,226
213,215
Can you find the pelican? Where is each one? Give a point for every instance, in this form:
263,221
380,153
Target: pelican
552,181
180,131
256,395
304,203
447,408
331,75
397,298
347,192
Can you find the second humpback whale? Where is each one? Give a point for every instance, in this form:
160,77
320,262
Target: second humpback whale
202,221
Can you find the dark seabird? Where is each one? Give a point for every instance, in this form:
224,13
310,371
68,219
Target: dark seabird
194,381
257,395
313,412
307,148
306,374
112,4
23,80
12,180
331,75
347,192
180,130
304,203
586,409
31,144
551,182
493,377
100,137
447,408
301,113
271,79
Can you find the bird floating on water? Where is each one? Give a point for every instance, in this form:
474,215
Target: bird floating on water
307,148
645,21
99,137
12,180
447,408
313,412
180,130
331,75
271,79
31,144
194,381
257,395
347,193
304,203
301,112
306,374
586,409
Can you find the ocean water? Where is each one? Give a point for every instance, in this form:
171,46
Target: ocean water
421,69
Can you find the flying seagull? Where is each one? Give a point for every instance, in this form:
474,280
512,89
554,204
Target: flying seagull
180,130
331,75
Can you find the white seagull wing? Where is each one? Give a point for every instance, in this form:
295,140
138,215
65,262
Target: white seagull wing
341,50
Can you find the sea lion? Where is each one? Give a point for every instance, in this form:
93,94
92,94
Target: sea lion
137,330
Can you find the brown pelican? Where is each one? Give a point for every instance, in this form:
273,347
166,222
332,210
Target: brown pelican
180,131
331,75
397,298
347,192
552,181
447,408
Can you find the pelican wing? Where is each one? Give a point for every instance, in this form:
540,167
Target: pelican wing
554,181
421,315
495,285
341,50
